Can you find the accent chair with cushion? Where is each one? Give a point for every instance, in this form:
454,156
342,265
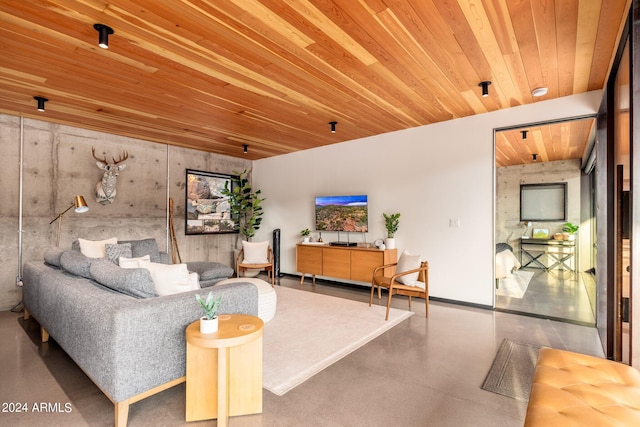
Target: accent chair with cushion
411,279
255,256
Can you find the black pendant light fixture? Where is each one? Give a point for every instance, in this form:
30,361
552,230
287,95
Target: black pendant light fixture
41,102
485,88
104,32
333,126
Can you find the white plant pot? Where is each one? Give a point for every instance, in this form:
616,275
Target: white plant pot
306,240
390,243
208,326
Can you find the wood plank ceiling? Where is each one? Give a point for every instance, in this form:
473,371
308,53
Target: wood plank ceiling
544,143
217,74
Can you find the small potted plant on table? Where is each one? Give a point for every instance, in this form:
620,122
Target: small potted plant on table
209,322
391,223
305,234
570,231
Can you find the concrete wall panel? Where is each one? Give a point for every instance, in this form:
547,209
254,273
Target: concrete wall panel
58,164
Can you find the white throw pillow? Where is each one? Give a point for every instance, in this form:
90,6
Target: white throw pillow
195,280
139,262
408,262
255,253
171,279
95,248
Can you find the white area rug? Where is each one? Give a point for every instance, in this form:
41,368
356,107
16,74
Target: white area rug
311,331
515,286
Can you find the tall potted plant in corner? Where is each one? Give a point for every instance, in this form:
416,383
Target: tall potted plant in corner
245,205
209,322
391,223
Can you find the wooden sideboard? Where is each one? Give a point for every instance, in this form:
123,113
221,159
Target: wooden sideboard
340,262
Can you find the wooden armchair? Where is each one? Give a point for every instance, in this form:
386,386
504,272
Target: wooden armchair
397,288
242,266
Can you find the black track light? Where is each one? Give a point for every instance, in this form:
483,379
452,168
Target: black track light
41,102
333,126
245,148
534,157
485,88
524,134
104,32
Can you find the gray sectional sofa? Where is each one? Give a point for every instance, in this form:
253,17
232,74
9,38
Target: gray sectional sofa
130,344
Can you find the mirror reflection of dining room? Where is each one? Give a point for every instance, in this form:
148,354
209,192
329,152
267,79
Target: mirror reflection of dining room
544,220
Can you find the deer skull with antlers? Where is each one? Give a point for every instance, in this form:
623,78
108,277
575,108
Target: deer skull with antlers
106,188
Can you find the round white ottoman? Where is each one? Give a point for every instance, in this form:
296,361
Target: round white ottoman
267,298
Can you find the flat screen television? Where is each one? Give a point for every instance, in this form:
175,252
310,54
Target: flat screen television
342,213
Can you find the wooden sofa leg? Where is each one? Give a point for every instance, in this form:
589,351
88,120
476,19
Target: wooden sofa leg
44,335
26,315
121,413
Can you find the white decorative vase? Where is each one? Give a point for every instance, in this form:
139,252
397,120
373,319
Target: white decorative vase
208,326
390,243
306,240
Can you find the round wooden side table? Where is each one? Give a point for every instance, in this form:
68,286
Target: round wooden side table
224,369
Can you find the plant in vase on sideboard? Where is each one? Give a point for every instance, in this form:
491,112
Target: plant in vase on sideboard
391,223
305,234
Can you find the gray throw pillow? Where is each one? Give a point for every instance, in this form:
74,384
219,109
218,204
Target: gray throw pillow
76,263
144,247
210,269
135,282
216,272
52,256
115,251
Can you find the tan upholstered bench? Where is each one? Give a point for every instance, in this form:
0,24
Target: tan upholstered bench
572,389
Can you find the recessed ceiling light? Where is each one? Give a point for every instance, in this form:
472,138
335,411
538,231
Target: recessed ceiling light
539,91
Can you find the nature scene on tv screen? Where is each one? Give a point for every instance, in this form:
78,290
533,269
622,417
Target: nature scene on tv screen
342,213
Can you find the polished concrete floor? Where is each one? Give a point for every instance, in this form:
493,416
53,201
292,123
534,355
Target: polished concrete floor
556,294
421,372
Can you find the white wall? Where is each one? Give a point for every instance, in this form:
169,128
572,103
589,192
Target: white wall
429,174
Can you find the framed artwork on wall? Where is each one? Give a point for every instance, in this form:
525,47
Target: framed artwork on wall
207,210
